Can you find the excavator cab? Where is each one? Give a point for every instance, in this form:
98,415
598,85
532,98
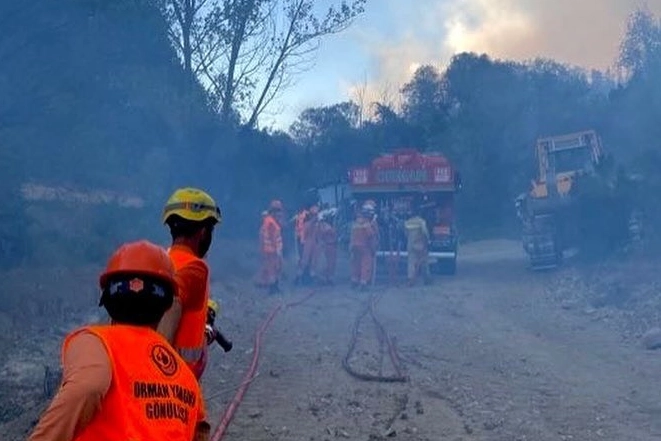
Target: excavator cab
563,158
579,201
549,212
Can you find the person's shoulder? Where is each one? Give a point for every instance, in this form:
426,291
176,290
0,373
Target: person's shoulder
85,341
197,266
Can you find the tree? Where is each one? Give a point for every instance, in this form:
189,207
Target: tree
641,47
249,51
330,140
425,102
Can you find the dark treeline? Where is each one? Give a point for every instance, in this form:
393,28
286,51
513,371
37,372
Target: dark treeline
95,95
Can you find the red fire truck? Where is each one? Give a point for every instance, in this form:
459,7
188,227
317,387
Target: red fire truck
399,182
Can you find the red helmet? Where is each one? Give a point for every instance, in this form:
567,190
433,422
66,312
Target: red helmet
140,258
138,285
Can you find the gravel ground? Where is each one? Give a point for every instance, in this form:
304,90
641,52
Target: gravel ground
493,353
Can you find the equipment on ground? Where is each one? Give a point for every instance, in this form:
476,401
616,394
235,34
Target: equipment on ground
576,201
399,183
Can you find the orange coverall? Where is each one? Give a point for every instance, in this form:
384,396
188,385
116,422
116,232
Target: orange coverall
362,245
193,281
310,247
270,235
299,229
327,239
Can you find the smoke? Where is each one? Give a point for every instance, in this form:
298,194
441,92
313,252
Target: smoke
585,33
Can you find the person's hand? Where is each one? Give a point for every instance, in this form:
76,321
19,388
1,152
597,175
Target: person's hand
209,334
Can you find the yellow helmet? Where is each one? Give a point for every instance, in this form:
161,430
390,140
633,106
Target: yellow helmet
213,305
192,204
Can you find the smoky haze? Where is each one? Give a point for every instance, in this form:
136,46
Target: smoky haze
507,133
585,34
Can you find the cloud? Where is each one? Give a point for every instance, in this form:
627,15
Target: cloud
585,33
405,34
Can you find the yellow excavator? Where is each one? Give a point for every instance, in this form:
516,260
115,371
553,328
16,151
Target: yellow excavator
553,212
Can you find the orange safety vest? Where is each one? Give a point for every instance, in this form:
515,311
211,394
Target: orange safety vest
271,236
152,395
189,337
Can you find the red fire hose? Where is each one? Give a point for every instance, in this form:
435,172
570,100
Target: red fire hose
227,416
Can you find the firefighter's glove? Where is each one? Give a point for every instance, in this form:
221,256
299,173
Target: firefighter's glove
209,334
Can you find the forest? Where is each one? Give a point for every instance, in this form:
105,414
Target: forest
135,98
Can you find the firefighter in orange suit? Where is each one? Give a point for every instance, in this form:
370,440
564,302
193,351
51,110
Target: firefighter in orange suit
191,215
362,245
327,239
270,238
123,381
417,247
306,265
299,229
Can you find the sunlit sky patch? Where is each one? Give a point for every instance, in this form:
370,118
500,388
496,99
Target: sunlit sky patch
379,53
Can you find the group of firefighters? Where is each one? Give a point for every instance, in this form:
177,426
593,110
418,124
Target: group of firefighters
137,378
317,241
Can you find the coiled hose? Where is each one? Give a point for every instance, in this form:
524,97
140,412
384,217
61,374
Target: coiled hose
383,337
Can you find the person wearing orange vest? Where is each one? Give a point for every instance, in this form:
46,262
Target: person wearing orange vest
191,214
362,244
327,234
123,380
306,265
270,238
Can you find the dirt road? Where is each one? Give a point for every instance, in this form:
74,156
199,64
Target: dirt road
489,353
489,357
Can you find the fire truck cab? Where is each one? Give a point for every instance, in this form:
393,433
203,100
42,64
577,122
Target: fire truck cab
399,183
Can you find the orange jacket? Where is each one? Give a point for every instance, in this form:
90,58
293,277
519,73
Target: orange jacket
363,235
152,395
194,295
270,236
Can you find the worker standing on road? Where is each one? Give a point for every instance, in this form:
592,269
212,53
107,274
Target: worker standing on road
299,229
328,245
306,266
191,214
362,247
417,248
123,381
270,237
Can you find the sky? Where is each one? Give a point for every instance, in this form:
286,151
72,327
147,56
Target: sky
384,46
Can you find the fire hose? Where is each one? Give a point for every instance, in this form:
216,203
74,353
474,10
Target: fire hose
250,374
232,407
383,337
